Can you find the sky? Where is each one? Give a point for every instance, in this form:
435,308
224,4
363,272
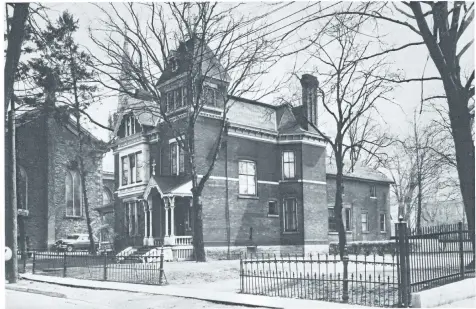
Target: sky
393,117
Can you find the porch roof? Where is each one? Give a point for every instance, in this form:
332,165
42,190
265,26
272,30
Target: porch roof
169,186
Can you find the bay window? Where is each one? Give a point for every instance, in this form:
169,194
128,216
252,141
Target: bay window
132,168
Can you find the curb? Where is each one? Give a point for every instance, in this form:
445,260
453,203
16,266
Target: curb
224,302
34,291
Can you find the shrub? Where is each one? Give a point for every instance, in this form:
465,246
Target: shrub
380,247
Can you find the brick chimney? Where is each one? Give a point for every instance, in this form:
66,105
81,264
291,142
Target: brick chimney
309,86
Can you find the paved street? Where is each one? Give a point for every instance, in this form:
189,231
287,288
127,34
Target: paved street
97,299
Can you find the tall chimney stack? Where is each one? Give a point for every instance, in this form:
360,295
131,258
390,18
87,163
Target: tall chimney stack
309,86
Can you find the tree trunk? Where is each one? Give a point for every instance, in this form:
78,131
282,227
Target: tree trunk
198,245
338,206
461,129
92,248
15,40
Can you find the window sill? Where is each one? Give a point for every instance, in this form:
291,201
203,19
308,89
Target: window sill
74,217
291,232
373,197
249,197
383,232
337,233
131,185
273,216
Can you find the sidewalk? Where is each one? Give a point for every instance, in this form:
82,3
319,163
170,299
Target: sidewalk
201,294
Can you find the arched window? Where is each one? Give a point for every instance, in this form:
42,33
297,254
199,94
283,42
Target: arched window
22,188
73,194
106,196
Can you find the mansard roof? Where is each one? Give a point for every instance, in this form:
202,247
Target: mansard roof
210,65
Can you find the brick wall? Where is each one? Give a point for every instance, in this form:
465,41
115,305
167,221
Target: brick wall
357,194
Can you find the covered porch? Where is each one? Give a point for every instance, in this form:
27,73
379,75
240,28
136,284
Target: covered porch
168,212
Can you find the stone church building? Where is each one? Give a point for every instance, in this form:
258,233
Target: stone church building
49,200
271,171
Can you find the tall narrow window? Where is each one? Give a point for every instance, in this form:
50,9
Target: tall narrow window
383,227
73,194
184,96
140,166
364,221
22,188
126,218
178,97
332,222
247,177
106,196
289,166
173,158
170,101
128,126
347,219
181,160
132,162
125,170
290,215
373,191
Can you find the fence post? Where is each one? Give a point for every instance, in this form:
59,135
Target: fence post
64,264
34,263
403,253
461,253
241,274
345,287
161,270
105,267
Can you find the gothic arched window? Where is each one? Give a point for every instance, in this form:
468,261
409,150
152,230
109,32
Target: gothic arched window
22,188
73,194
106,196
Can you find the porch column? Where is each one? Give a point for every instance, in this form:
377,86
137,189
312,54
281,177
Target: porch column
146,234
172,220
136,218
166,218
130,217
150,234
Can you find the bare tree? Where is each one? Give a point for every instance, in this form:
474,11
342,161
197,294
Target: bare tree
218,44
416,171
370,141
349,89
441,27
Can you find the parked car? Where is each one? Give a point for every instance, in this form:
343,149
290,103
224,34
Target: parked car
75,242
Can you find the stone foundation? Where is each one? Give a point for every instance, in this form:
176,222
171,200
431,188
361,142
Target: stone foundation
220,253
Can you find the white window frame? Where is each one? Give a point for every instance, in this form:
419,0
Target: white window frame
132,173
366,222
373,191
285,228
288,164
247,176
72,190
275,207
384,222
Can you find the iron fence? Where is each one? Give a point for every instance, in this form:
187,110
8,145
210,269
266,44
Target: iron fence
439,255
362,280
106,267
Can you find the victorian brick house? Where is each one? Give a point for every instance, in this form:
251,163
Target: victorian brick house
271,171
48,182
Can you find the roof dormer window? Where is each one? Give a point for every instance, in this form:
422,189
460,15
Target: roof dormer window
174,64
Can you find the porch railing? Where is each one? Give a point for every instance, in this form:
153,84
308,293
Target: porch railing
183,240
